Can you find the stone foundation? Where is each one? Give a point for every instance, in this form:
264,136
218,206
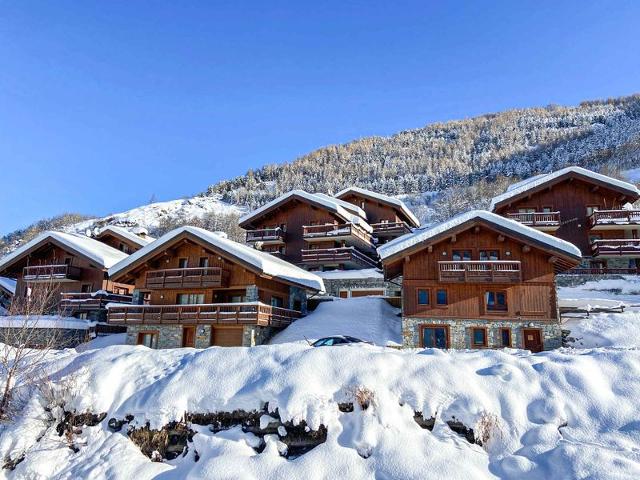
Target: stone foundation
333,286
460,332
170,336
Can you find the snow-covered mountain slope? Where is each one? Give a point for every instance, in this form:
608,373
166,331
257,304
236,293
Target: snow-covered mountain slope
150,216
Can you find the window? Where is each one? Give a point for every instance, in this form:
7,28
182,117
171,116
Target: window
148,339
435,337
496,301
190,298
183,262
236,299
423,296
67,260
591,209
146,298
547,209
441,297
283,227
489,255
461,255
505,337
204,262
86,288
479,337
277,302
526,210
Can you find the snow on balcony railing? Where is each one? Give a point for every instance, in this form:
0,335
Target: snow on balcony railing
186,278
614,217
627,246
480,271
536,219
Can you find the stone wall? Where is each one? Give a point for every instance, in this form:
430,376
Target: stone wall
460,331
576,280
170,336
56,337
297,294
333,286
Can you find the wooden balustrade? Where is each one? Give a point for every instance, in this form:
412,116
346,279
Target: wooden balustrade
186,278
626,246
331,230
537,219
480,271
265,235
330,256
390,229
614,217
73,302
51,272
215,313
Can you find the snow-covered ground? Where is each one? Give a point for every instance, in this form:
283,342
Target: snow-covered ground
369,318
569,413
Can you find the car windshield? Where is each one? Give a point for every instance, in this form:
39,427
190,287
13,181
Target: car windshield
353,339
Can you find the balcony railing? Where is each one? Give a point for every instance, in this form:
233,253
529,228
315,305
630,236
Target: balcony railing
265,235
216,313
39,273
332,256
614,217
537,219
604,247
186,278
481,271
73,302
331,231
390,229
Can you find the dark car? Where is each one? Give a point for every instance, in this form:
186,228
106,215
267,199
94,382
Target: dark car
337,340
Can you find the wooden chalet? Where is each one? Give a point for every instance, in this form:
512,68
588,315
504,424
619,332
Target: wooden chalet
71,268
389,217
479,281
588,209
122,239
314,231
195,288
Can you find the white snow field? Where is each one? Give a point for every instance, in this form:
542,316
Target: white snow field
567,414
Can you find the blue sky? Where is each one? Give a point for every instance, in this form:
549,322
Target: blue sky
104,104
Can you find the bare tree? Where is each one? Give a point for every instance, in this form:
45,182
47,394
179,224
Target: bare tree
25,344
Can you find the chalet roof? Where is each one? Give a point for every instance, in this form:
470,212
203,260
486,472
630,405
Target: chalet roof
97,252
348,214
349,206
382,198
542,239
8,284
125,234
529,184
263,263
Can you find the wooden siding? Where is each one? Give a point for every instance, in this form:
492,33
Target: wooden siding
376,211
533,297
118,243
571,199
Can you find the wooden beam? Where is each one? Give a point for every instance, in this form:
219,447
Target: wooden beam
430,248
595,188
476,229
526,248
500,238
553,259
454,239
407,259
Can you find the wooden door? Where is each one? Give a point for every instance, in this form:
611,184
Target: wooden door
532,339
226,336
366,293
188,336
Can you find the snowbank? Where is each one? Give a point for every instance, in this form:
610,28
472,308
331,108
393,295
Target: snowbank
368,318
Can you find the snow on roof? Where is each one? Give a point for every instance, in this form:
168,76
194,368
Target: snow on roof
103,255
349,206
326,201
402,243
8,284
45,321
264,262
123,232
538,180
383,198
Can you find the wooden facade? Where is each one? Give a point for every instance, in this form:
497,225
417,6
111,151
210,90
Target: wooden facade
66,273
310,235
586,212
119,242
477,276
187,281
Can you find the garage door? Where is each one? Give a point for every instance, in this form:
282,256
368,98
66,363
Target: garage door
366,293
226,337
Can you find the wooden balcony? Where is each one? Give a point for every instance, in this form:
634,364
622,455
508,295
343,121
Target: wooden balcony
481,271
215,313
82,302
348,256
624,247
266,235
390,229
614,219
545,221
329,231
198,277
47,273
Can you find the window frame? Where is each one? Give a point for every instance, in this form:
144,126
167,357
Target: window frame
502,331
186,262
494,250
426,326
446,297
428,292
464,250
204,260
498,311
155,338
485,343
